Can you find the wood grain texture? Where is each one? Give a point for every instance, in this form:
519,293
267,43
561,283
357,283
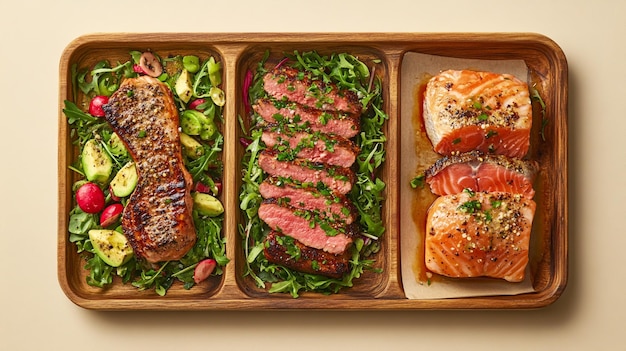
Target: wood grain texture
239,51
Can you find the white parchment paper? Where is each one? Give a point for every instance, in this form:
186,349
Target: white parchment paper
416,154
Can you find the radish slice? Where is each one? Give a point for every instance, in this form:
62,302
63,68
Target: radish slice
150,64
203,270
111,214
247,81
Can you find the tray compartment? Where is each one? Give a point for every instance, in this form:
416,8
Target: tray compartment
370,284
86,55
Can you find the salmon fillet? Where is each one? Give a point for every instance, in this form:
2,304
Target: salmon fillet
157,219
469,110
479,172
479,234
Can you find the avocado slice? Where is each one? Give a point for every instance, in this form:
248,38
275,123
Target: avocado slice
111,246
125,180
97,165
116,145
183,86
207,204
191,146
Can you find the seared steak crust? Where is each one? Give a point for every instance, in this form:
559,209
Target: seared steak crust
157,219
309,260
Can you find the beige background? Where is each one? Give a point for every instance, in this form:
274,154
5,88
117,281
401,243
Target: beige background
35,314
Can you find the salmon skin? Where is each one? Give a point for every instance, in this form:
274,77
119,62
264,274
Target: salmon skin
157,219
479,172
479,234
470,110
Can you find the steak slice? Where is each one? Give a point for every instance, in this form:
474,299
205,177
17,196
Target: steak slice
309,197
305,227
287,83
315,147
157,219
338,179
293,254
338,123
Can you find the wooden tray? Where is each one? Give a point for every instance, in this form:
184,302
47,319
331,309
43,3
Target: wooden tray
384,291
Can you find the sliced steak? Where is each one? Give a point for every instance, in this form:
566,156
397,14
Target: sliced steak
310,197
338,123
157,219
293,254
315,147
336,178
304,227
288,83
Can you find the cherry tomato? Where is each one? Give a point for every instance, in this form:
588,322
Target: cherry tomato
95,106
111,214
90,198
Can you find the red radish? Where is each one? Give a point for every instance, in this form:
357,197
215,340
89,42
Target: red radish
247,81
111,214
202,188
95,106
194,104
150,64
90,198
113,197
138,69
204,269
218,187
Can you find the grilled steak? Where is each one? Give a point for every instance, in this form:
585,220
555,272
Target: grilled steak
157,219
315,147
293,254
309,197
304,227
338,123
336,178
286,83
